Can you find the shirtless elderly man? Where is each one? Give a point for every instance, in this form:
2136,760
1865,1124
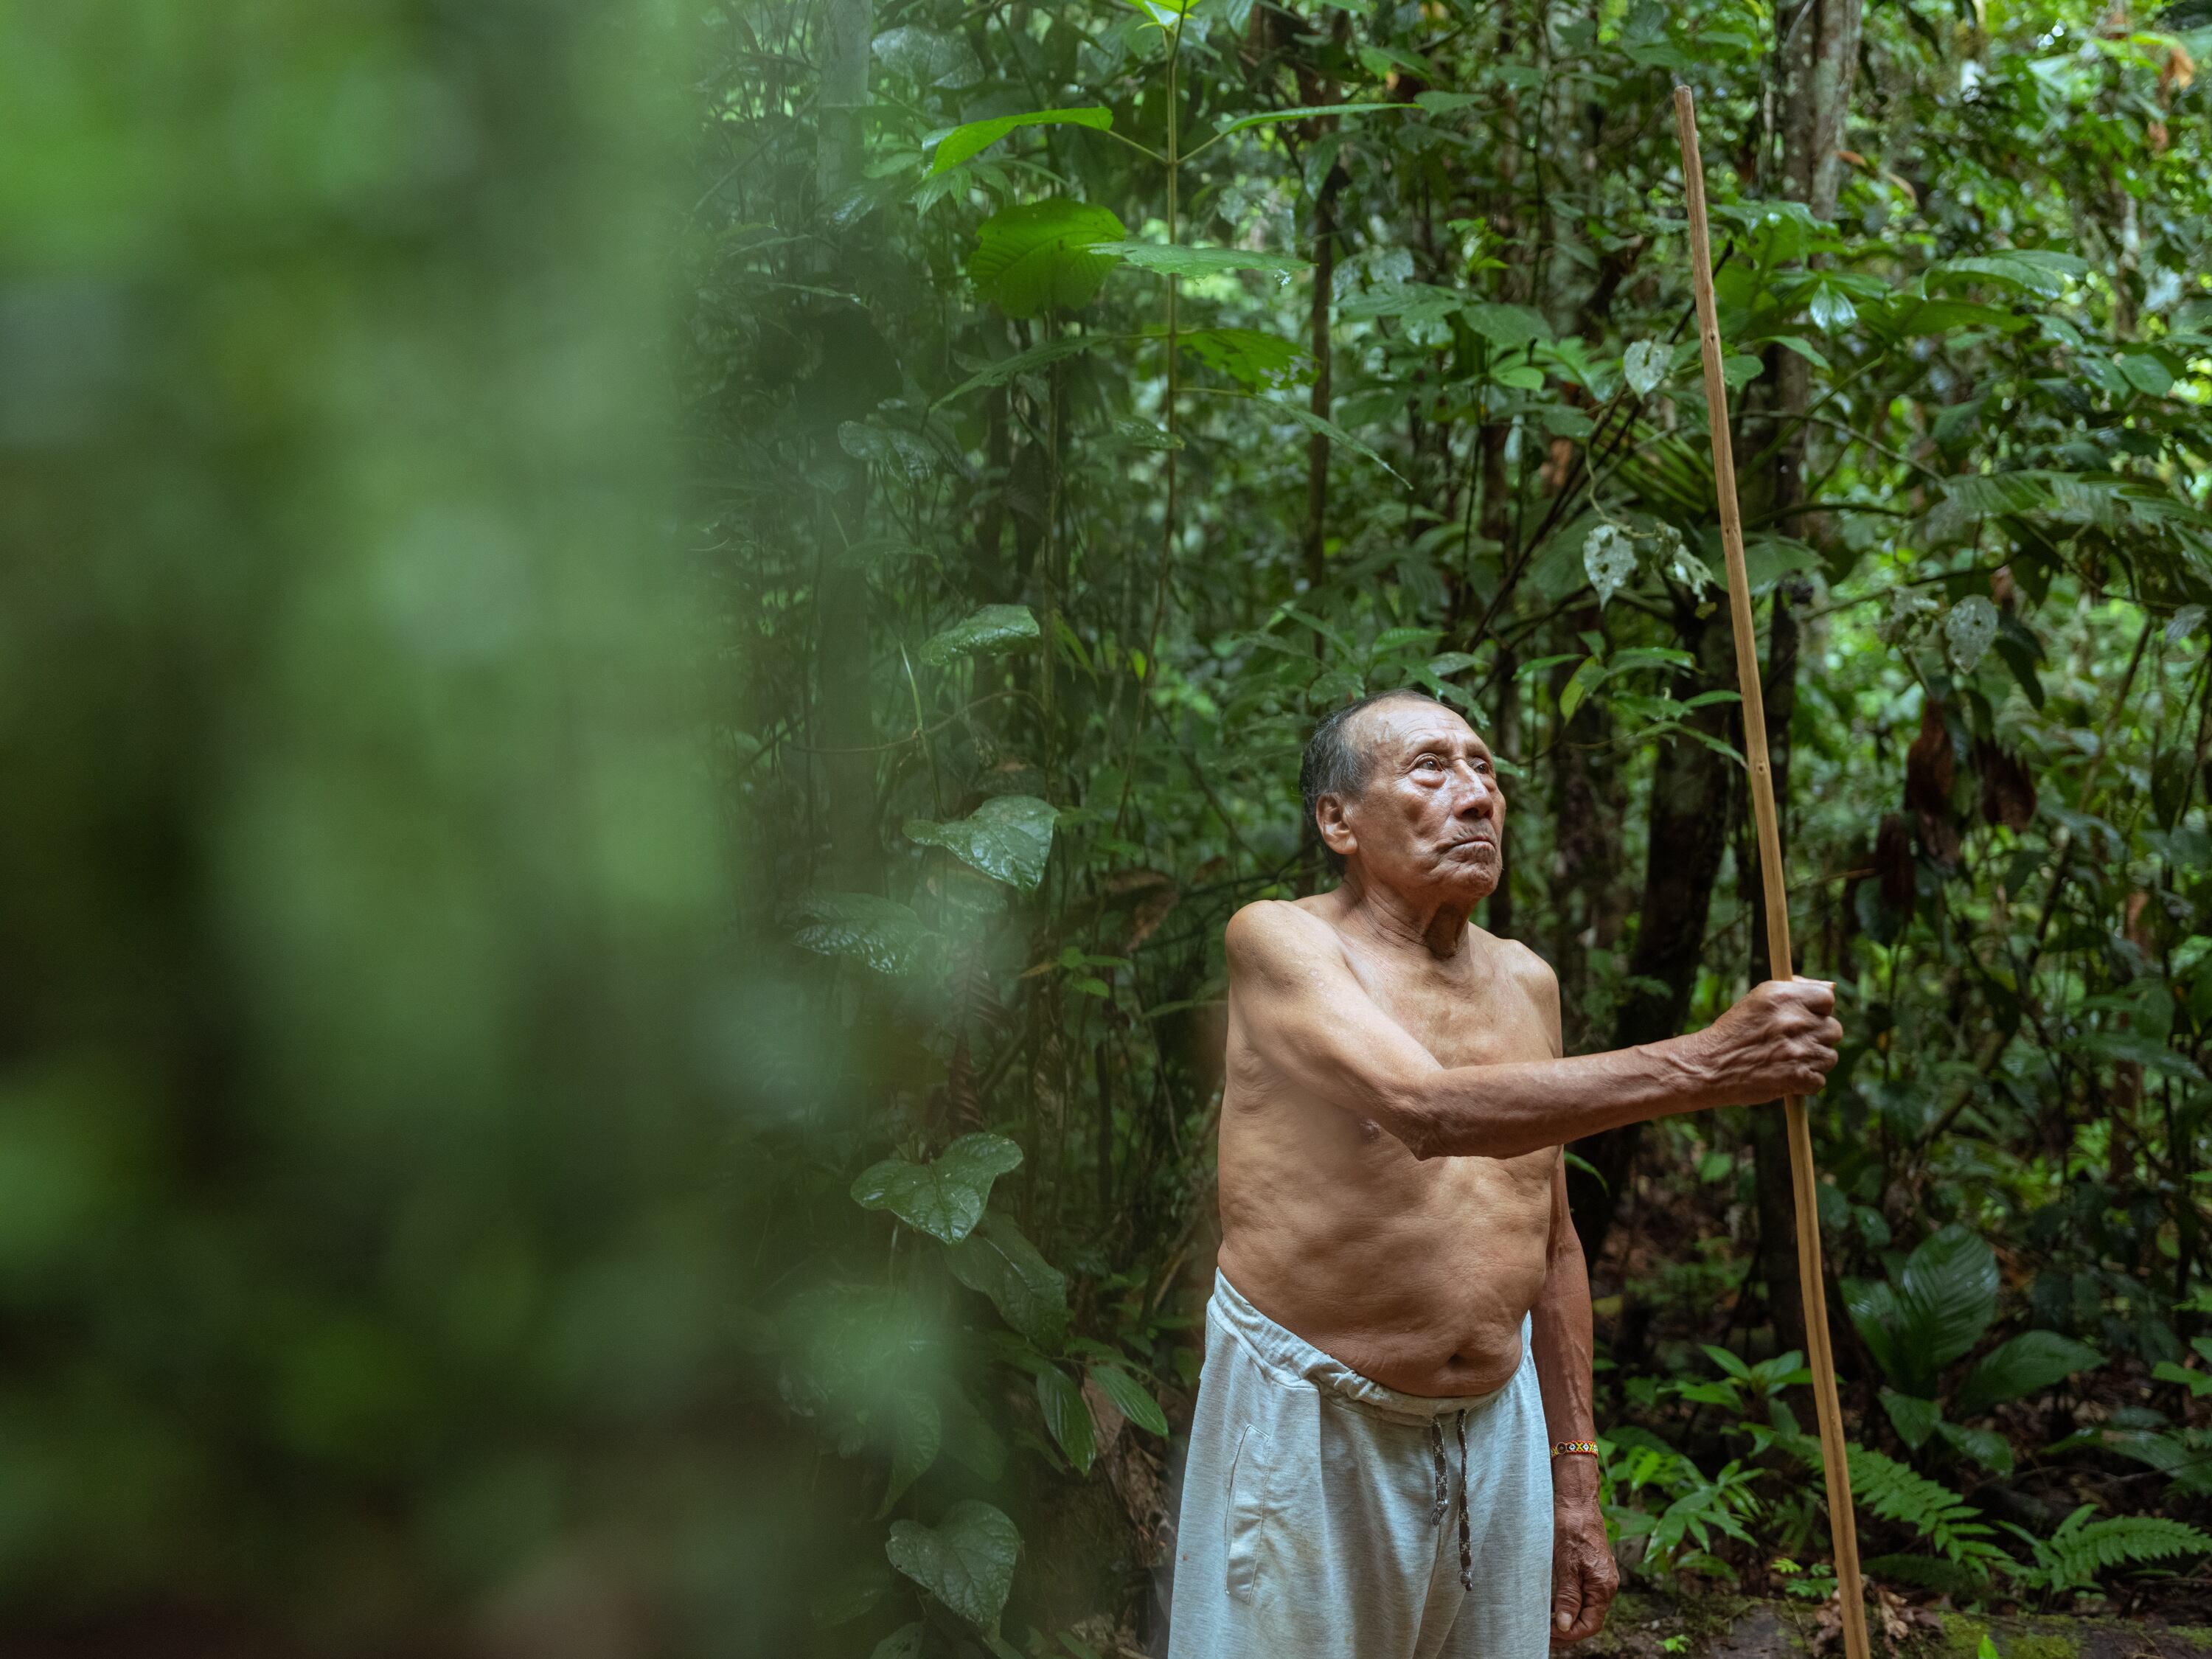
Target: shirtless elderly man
1391,1457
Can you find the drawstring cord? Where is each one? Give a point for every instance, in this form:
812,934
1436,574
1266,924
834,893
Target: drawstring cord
1443,1498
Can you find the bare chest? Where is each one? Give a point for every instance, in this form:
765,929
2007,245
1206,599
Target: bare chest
1467,1013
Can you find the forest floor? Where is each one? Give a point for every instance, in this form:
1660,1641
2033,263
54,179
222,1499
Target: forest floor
1645,1627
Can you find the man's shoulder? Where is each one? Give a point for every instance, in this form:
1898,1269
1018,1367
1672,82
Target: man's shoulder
1274,930
1523,966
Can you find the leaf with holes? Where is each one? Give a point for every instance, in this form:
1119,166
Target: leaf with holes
1009,836
1968,629
966,1561
1643,366
945,1197
976,136
1040,256
994,627
864,927
1609,559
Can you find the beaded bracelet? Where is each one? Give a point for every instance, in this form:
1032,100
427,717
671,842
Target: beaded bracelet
1569,1448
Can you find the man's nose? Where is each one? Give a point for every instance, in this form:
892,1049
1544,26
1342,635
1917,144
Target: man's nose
1477,792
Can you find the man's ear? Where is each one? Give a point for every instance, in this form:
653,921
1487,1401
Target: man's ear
1335,831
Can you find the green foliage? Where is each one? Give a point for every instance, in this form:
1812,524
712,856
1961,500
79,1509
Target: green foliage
1042,256
945,1197
2074,1554
966,1561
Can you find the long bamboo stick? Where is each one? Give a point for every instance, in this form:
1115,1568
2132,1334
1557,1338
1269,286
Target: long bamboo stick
1842,1524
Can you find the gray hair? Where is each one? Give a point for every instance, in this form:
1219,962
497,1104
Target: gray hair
1333,766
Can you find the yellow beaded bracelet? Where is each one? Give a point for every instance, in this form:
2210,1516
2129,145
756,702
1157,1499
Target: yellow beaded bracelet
1564,1447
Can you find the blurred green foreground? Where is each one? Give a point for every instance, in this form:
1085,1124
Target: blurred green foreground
363,1283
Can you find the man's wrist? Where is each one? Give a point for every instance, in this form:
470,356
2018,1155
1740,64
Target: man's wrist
1574,1480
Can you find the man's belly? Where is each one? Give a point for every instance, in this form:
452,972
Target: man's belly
1415,1274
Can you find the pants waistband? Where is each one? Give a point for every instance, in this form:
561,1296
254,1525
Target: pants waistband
1287,1353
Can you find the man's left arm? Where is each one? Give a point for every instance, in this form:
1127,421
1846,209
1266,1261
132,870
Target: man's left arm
1583,1576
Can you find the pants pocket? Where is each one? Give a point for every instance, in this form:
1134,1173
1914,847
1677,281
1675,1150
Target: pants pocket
1247,1511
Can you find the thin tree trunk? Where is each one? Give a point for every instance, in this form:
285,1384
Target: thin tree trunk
843,656
1692,804
1317,445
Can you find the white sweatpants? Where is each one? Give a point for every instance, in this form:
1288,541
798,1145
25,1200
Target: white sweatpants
1326,1515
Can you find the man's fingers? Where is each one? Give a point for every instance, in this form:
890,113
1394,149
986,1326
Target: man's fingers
1566,1607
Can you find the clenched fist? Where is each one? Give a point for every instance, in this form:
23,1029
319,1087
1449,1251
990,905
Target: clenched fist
1779,1040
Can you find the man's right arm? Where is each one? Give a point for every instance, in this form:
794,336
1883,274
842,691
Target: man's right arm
1301,1007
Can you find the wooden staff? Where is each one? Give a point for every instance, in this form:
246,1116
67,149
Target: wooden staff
1780,965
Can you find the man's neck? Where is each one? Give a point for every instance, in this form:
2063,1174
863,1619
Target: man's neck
1434,924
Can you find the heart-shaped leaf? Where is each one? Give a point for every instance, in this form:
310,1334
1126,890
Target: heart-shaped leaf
1009,836
966,1561
1029,1291
945,1197
1040,256
1643,366
864,927
917,1434
994,627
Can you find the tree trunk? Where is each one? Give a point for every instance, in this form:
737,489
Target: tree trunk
1589,801
1317,445
1693,797
843,643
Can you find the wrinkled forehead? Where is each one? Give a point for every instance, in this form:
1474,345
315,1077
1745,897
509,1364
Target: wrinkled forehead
1401,726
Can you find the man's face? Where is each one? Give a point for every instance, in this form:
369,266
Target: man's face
1432,818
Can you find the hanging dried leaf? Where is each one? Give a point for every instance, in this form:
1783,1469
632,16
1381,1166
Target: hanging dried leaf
1930,771
1893,861
2007,786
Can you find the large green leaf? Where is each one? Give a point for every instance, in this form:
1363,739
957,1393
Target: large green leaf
1041,257
1030,1292
1303,112
945,1197
1131,1398
866,926
1172,259
976,136
966,1561
994,627
1068,1416
917,1435
1254,359
2031,1360
1873,1307
1946,1297
1507,327
1009,836
1913,1419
